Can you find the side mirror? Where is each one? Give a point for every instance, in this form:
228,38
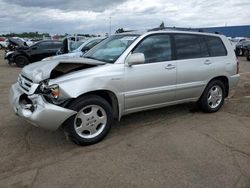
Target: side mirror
34,48
135,59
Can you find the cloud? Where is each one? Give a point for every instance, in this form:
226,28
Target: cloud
77,16
66,5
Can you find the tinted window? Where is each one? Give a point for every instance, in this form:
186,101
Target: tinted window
190,46
43,45
156,48
56,45
215,46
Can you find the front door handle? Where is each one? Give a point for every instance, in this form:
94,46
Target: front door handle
170,67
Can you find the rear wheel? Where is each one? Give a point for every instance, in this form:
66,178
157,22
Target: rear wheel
213,96
1,47
92,122
21,61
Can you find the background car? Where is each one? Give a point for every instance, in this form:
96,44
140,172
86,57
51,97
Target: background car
86,46
36,52
241,48
3,43
71,43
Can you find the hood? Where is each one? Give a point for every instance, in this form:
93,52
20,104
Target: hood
16,41
43,70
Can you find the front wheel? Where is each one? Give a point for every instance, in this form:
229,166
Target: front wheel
92,122
213,96
21,61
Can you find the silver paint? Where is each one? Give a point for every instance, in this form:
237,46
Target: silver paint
137,87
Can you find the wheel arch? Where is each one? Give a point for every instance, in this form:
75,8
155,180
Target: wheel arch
109,96
224,80
21,54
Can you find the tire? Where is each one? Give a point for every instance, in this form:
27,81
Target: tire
21,61
213,97
245,53
92,122
1,47
248,58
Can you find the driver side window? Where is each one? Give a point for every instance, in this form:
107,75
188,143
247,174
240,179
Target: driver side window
156,48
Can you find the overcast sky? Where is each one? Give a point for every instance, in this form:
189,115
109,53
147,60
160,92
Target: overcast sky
92,16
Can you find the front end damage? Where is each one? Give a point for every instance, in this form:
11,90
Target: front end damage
36,110
38,101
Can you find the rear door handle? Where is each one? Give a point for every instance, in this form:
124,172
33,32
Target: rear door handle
170,67
207,62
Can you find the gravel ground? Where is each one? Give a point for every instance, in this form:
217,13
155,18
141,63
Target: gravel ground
176,146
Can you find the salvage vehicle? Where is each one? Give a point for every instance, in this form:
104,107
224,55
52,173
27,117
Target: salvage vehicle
70,43
86,46
241,48
24,55
126,73
14,43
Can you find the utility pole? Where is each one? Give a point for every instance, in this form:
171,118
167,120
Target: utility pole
109,25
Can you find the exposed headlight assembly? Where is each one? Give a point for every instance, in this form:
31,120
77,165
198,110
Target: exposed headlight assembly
50,91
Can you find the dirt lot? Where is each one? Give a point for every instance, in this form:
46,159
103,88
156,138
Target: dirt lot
172,147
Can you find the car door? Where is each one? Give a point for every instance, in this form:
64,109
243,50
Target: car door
39,51
153,83
194,66
53,47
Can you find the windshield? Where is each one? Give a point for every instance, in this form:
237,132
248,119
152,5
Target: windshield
111,49
73,45
87,43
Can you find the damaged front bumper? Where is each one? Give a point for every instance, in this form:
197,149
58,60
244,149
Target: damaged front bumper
36,110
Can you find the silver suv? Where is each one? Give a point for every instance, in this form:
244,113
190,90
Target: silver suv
125,73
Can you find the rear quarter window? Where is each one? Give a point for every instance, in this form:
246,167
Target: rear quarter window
215,46
189,46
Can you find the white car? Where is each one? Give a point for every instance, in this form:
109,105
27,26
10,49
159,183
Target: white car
87,45
3,44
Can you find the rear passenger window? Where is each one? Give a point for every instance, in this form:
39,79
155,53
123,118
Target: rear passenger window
190,46
56,45
156,48
215,46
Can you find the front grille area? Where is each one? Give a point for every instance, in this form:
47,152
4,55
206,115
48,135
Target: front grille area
25,83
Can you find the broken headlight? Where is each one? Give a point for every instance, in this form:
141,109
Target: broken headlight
50,91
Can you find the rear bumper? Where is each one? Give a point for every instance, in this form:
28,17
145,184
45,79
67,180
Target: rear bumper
233,81
37,111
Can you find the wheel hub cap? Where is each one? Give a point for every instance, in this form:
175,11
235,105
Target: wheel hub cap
214,96
90,121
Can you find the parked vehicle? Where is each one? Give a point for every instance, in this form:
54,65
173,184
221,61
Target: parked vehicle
125,73
14,43
36,52
86,46
3,44
241,48
71,43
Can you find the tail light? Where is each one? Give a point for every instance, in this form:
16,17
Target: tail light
238,67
